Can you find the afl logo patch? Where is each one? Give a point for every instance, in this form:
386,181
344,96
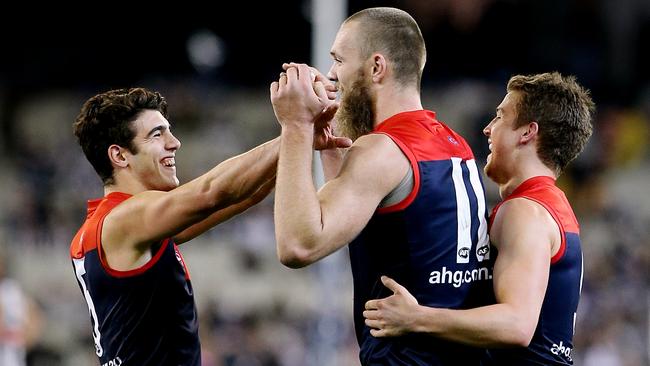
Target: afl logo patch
452,140
463,252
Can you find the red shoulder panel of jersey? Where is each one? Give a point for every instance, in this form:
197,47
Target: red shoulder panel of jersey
543,190
428,138
88,236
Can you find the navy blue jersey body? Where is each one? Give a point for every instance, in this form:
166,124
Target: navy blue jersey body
145,316
434,243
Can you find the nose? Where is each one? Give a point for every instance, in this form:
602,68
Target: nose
487,129
173,143
331,74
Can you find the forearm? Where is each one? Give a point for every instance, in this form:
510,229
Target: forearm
488,326
297,209
225,214
239,177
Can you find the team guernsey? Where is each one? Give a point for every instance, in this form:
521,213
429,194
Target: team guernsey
145,316
552,343
434,242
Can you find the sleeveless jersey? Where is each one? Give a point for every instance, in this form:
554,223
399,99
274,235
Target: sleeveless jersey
434,242
144,316
552,342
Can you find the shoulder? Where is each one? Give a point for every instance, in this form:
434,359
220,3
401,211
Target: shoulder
377,150
374,160
520,217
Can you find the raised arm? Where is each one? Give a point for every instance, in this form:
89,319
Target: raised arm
524,233
311,225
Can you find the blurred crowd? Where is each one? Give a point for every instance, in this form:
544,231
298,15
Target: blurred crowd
253,311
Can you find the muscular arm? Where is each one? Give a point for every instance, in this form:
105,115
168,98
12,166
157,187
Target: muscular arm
525,235
225,214
311,225
151,216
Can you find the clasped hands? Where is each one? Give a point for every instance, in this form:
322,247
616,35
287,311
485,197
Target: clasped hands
303,98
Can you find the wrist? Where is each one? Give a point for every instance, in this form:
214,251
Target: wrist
424,320
298,133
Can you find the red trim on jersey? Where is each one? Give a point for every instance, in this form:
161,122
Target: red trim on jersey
182,260
421,138
450,144
537,190
136,271
98,209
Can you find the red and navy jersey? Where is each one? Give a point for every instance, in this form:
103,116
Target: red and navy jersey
434,242
552,343
144,316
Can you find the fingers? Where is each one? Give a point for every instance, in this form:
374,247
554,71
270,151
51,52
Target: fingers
274,88
283,79
329,112
291,73
319,89
378,333
376,328
342,142
391,284
372,304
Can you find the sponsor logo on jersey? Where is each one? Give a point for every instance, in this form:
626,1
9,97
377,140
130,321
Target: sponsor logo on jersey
459,277
114,362
562,350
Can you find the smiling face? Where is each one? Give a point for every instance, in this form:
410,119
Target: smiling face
503,139
153,162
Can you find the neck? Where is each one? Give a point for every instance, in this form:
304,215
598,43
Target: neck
523,171
124,186
392,100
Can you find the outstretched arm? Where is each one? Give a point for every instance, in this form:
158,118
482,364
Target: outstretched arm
148,217
225,214
524,233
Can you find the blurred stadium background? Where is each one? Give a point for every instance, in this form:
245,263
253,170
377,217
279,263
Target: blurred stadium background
215,67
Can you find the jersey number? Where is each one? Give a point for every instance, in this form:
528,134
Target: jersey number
464,214
80,270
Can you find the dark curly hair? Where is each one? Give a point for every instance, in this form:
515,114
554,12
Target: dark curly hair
563,111
107,119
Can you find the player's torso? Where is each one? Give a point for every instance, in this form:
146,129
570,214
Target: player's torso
434,242
146,316
552,343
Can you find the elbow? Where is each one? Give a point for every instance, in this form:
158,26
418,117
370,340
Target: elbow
293,255
520,336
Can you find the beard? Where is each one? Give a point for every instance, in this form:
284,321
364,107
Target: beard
356,115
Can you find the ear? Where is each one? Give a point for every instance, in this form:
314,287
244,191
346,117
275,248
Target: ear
117,156
529,132
379,67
